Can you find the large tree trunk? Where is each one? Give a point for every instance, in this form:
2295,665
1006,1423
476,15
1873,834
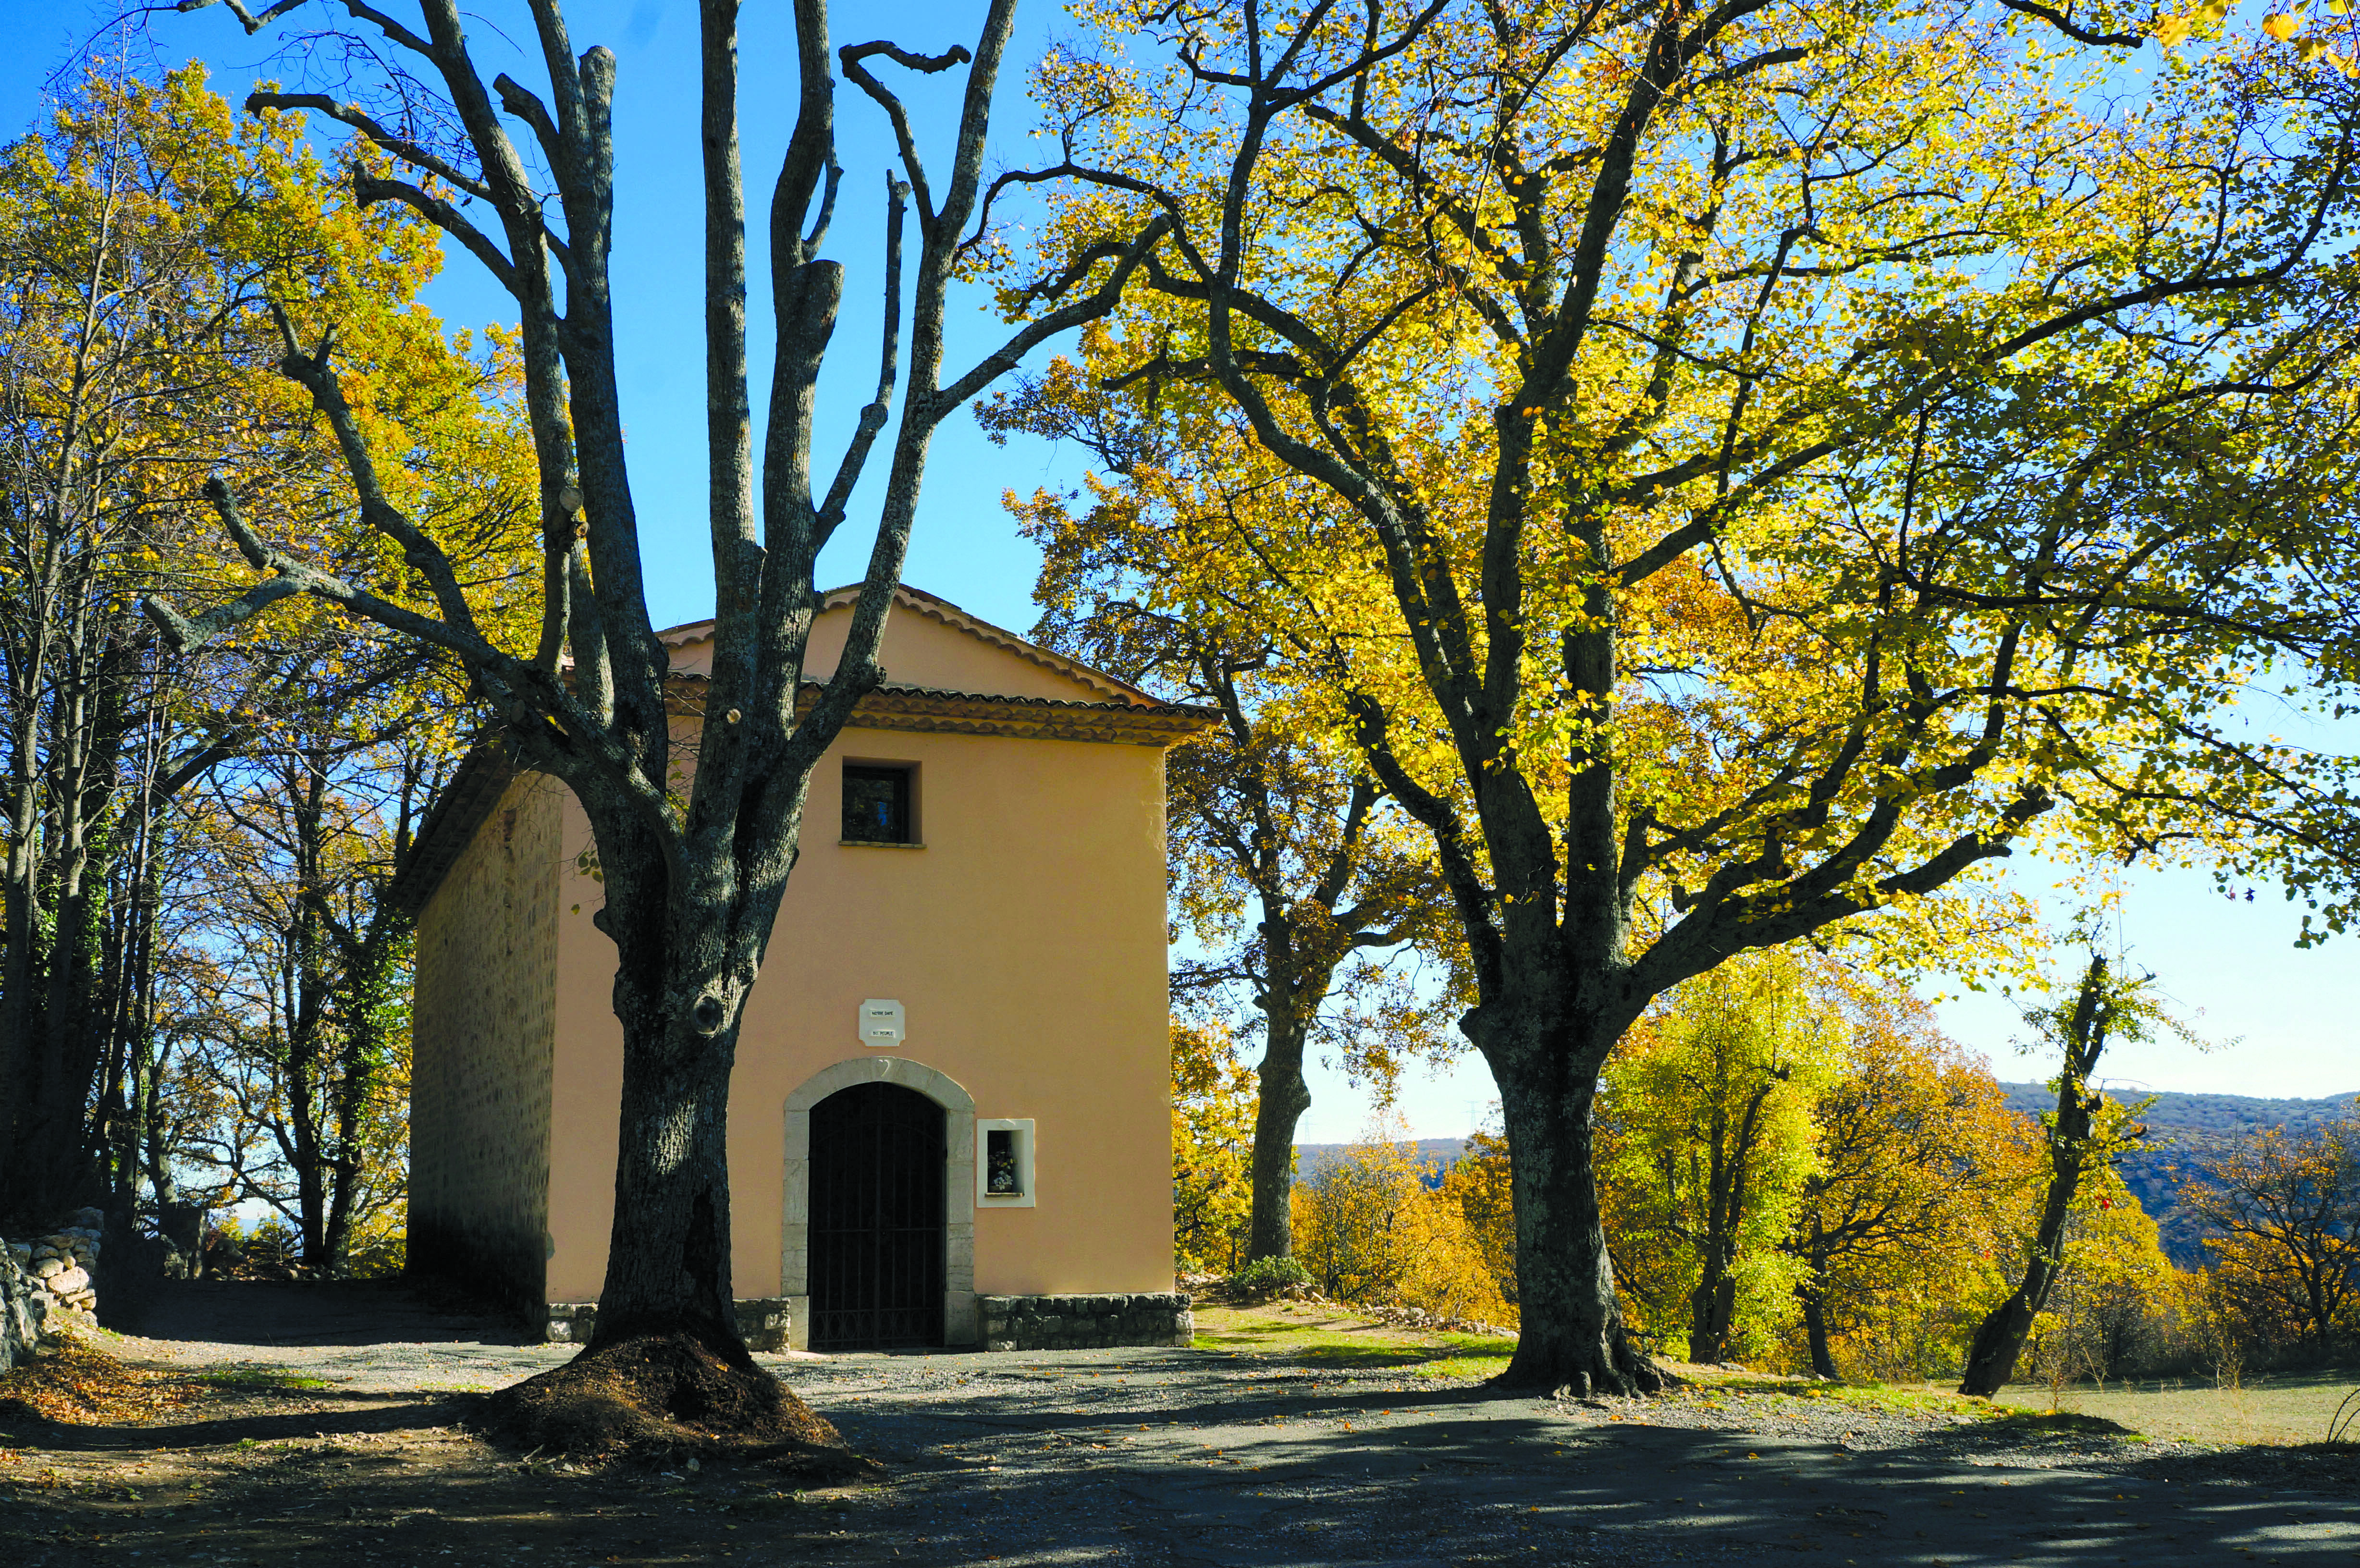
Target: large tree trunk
1281,1098
668,1255
1572,1339
680,990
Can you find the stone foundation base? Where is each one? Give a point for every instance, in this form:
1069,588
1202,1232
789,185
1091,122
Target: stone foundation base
761,1322
1085,1323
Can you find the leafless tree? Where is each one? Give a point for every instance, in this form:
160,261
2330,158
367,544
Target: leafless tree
692,886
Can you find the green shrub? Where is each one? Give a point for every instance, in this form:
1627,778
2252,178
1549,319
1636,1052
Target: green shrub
1267,1276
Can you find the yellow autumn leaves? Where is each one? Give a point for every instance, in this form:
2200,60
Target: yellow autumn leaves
2174,30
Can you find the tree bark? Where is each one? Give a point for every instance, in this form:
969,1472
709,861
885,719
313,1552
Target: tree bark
1572,1340
1713,1304
1811,1293
1990,1361
668,1267
53,1164
1281,1098
1815,1328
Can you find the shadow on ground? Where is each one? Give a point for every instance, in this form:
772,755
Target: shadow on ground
1164,1456
325,1312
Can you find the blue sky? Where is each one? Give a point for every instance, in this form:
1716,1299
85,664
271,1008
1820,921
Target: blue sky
2229,967
964,548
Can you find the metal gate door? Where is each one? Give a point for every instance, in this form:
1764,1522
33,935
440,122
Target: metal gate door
875,1231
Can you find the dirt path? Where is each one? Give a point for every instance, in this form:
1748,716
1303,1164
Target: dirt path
358,1337
1150,1456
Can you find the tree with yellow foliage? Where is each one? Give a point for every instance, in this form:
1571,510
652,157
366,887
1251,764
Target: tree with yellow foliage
1212,1140
1857,1181
2287,1213
2115,1289
146,236
1371,1227
1707,1142
2084,1134
1483,1186
1920,1167
1731,471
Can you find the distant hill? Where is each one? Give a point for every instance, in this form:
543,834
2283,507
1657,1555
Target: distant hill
2201,1113
2174,1122
1442,1153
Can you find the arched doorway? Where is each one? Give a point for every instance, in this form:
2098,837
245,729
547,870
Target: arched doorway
877,1219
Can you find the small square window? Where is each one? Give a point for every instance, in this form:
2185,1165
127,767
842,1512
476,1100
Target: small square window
1003,1163
876,804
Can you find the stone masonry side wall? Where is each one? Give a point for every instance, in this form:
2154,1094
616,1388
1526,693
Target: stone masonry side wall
49,1281
22,1315
1085,1323
763,1322
484,1027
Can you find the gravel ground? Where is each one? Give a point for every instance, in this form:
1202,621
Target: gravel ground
1150,1456
1190,1457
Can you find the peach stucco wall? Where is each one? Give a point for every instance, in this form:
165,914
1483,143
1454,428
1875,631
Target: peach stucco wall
1026,940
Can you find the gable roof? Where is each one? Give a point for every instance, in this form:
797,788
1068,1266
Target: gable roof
933,608
1117,712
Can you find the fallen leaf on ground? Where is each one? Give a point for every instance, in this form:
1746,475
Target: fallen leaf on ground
78,1384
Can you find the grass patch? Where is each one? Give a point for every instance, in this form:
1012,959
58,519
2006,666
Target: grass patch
258,1377
1469,1355
1915,1400
1340,1340
2063,1423
2281,1408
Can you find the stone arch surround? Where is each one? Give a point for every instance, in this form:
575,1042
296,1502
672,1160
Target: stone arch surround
959,1326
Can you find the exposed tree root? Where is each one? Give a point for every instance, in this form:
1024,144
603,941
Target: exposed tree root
666,1397
1629,1376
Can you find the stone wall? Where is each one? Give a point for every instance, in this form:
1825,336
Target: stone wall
762,1322
1009,1322
20,1320
484,1032
46,1284
1085,1323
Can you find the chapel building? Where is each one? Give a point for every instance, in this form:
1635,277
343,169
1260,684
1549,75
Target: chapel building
949,1122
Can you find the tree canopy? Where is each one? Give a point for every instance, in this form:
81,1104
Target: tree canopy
149,242
1731,471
